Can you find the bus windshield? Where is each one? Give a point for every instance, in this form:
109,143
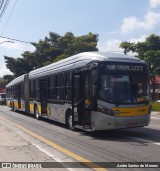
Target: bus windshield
123,88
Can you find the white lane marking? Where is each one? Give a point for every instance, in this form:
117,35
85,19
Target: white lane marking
5,107
51,155
156,143
46,152
155,118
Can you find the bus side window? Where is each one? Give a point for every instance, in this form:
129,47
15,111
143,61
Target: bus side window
54,84
60,87
68,87
50,87
77,96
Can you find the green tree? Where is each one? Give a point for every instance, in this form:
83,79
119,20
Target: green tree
18,66
53,48
3,83
149,51
127,46
8,78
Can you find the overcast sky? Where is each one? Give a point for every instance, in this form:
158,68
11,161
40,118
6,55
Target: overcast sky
113,20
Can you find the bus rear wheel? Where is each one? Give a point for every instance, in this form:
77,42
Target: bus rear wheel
69,122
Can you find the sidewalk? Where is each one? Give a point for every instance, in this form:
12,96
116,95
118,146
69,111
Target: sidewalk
14,148
155,114
18,146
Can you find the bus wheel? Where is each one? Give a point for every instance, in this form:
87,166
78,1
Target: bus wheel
36,114
69,122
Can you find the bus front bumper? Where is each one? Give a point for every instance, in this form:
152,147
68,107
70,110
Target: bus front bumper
132,122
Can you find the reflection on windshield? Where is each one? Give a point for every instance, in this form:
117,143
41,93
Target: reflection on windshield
123,88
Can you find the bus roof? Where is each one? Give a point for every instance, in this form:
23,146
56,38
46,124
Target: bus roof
81,60
77,61
16,80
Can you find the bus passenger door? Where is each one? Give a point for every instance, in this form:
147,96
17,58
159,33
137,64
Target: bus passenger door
80,87
43,96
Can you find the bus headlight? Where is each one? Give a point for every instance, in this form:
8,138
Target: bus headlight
106,111
116,112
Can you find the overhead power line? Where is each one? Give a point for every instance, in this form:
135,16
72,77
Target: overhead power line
3,9
15,39
9,17
1,4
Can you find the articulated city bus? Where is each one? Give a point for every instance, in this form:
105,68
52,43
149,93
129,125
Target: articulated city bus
90,90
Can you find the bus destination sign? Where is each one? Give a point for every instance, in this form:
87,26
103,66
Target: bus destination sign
120,67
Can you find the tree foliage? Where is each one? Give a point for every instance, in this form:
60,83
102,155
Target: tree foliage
8,78
18,66
149,51
127,46
52,49
5,80
3,83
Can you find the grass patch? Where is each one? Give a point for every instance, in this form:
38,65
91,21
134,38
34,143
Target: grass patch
155,106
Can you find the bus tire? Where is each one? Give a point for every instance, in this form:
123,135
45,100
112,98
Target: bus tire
69,121
36,113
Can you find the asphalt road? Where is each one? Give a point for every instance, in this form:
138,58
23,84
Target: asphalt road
127,145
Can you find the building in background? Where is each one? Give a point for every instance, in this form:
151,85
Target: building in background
2,90
157,90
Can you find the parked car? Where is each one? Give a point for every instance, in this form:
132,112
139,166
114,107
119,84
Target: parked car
2,98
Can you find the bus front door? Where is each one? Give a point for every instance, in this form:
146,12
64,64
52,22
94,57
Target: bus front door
80,100
43,96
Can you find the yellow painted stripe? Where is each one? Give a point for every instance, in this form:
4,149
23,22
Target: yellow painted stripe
8,103
136,111
39,108
32,107
16,105
58,147
22,105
